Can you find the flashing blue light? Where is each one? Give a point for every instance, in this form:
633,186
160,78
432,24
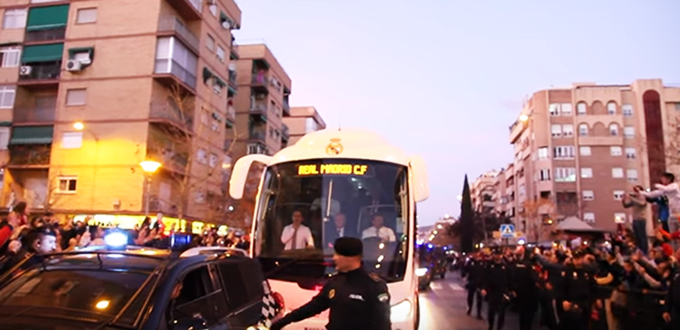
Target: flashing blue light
116,239
430,246
445,248
179,241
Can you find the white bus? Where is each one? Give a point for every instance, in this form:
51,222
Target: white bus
352,178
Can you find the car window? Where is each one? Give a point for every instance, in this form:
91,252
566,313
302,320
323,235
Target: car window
199,296
100,292
242,280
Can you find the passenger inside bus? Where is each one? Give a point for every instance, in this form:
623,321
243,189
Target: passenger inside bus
378,229
296,235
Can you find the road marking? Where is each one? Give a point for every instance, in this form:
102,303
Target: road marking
436,286
456,287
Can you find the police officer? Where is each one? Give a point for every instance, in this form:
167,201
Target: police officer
472,272
496,289
524,283
672,313
357,300
579,294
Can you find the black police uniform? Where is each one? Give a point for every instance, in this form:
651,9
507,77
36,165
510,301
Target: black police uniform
524,282
673,301
473,271
496,283
579,290
357,300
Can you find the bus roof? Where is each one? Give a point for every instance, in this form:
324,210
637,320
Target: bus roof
351,143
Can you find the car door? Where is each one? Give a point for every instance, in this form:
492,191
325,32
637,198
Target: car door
200,298
242,281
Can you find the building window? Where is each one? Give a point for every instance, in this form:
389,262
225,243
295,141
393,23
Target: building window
556,131
589,217
200,196
615,151
617,173
613,130
586,172
563,152
210,42
544,174
9,57
554,109
588,195
71,140
174,58
4,137
632,175
620,217
611,108
629,132
67,184
565,109
565,174
86,15
75,96
213,9
542,153
212,162
630,153
220,53
583,130
581,108
568,130
618,194
585,151
7,95
14,19
627,110
201,156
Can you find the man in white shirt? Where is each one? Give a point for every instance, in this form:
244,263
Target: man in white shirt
669,188
322,204
296,235
379,230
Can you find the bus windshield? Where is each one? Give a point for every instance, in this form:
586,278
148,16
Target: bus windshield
306,205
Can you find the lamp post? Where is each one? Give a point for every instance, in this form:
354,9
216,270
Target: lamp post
80,126
149,167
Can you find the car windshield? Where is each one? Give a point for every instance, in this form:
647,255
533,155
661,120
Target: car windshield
306,205
91,291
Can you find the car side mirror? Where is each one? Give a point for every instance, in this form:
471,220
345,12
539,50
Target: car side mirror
190,323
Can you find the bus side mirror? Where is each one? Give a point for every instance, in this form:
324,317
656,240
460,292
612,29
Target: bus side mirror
239,174
419,178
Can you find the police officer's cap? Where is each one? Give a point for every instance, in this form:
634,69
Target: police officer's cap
579,253
497,251
348,246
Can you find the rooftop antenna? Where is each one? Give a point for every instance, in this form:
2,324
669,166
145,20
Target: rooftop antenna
339,121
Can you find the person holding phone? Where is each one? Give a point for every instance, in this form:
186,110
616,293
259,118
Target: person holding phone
638,206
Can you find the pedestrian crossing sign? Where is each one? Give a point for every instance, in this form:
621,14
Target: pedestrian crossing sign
507,230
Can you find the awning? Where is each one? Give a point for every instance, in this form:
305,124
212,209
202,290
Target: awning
232,90
220,82
207,74
46,18
5,123
42,53
32,135
89,50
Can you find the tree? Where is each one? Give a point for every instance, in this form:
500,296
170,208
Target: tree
484,224
465,226
182,148
538,218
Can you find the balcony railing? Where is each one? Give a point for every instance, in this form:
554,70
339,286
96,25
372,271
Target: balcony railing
257,135
231,112
164,111
258,108
232,78
173,161
171,23
34,115
46,35
189,9
260,80
172,67
43,72
27,155
285,131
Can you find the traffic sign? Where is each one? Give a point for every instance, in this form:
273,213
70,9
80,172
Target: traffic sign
507,230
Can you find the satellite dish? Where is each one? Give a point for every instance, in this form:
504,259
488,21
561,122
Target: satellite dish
226,25
232,67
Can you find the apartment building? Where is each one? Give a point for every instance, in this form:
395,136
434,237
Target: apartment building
89,89
303,120
482,192
262,102
578,150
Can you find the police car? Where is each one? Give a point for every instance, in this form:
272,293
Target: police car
125,287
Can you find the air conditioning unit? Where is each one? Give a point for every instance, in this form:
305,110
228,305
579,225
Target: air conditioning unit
25,70
74,65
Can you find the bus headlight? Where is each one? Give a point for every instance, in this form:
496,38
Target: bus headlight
421,272
401,311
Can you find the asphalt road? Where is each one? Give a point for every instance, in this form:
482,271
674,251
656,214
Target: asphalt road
444,307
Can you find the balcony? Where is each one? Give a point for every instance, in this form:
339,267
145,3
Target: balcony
258,109
189,9
257,135
257,148
169,72
29,155
172,160
35,115
285,132
286,107
233,84
259,83
170,25
231,113
57,34
164,112
40,74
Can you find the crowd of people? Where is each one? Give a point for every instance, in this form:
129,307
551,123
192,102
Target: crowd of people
23,236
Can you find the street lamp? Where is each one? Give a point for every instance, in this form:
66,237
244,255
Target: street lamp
79,125
149,167
523,118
